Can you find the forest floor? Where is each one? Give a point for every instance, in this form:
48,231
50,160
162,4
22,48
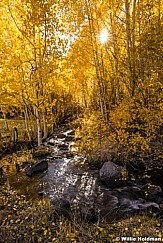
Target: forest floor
7,133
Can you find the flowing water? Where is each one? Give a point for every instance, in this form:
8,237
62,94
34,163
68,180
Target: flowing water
66,178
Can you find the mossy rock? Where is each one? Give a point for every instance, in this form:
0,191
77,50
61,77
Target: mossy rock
40,153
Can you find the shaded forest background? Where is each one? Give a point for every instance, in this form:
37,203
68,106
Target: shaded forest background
54,68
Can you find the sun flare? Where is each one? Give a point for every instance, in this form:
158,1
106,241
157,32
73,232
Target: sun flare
103,36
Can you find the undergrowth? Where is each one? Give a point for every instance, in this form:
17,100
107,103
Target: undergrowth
131,132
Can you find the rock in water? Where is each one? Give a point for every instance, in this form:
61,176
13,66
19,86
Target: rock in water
109,173
37,168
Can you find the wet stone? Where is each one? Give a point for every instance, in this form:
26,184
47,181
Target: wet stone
37,168
63,146
110,173
69,138
41,194
50,143
69,156
61,136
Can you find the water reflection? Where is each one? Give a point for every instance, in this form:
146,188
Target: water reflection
63,178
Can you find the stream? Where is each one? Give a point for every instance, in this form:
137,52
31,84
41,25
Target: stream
67,179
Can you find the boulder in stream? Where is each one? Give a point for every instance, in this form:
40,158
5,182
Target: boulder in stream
61,135
116,204
110,173
37,168
63,147
69,138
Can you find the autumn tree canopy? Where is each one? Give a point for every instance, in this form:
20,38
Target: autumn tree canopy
64,57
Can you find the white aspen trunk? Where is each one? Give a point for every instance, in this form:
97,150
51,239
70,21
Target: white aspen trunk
26,123
45,125
130,32
98,63
133,52
97,66
5,120
116,64
39,131
128,39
